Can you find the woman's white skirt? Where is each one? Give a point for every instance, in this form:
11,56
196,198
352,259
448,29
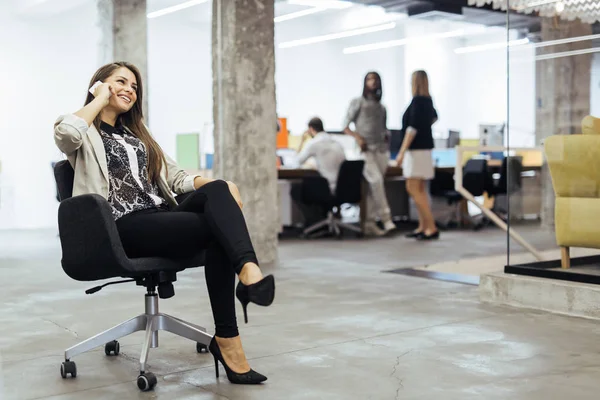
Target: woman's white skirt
418,164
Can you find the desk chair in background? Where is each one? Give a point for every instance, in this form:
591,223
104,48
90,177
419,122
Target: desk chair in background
507,184
348,191
475,180
92,250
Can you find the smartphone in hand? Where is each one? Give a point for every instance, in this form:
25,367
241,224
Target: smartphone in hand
94,87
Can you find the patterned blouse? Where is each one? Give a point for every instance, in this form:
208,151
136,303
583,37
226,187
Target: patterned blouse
129,189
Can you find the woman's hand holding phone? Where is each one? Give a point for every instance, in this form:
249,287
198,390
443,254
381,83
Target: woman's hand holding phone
103,91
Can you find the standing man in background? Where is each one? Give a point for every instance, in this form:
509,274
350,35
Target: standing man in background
329,156
370,120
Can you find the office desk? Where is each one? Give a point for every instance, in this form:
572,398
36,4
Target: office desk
299,173
395,187
394,182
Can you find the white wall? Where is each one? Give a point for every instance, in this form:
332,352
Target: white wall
45,73
319,80
447,78
522,98
471,89
468,89
485,86
180,78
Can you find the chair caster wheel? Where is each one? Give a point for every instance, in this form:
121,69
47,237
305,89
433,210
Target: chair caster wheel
68,367
146,381
112,347
201,348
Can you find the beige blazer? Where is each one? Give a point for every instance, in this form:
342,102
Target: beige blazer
84,149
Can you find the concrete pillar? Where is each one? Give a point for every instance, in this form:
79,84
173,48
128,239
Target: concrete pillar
124,36
244,113
563,94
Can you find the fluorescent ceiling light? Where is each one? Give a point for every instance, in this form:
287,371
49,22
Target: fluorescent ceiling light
490,46
329,4
339,35
401,42
567,40
567,54
176,8
298,14
547,43
316,6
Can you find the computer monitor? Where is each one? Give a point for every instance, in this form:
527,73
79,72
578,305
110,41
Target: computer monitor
453,139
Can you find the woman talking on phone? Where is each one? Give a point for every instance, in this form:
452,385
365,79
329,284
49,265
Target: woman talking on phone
114,155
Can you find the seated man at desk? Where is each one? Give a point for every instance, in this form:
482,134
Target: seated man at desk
329,156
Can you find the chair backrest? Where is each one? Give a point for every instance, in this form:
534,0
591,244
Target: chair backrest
64,175
475,176
510,173
349,182
574,163
590,125
442,182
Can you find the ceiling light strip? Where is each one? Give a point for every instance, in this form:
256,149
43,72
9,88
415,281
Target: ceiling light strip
401,42
339,35
567,54
328,4
490,46
178,7
567,40
298,14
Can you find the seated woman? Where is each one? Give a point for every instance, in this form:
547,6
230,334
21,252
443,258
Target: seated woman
114,155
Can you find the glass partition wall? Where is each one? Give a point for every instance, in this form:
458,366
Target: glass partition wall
551,176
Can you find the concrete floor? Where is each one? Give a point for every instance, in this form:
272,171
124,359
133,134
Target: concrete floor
339,329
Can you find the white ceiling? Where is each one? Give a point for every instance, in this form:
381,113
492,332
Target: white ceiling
199,14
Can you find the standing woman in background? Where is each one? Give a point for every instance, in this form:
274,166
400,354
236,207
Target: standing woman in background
370,119
415,154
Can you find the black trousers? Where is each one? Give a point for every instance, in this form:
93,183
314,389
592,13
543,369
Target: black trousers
210,219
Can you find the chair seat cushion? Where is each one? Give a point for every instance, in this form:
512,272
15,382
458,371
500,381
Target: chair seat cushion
143,266
92,248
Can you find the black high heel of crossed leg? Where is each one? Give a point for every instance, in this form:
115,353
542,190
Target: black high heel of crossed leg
261,293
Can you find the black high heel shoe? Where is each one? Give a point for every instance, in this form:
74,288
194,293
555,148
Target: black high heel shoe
247,378
261,293
414,234
425,237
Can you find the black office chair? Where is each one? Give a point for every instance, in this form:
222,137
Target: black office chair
348,191
92,250
475,180
508,182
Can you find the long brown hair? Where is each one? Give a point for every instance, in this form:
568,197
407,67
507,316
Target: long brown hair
378,92
133,119
420,83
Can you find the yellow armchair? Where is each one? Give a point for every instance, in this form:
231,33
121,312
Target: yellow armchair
574,163
590,125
